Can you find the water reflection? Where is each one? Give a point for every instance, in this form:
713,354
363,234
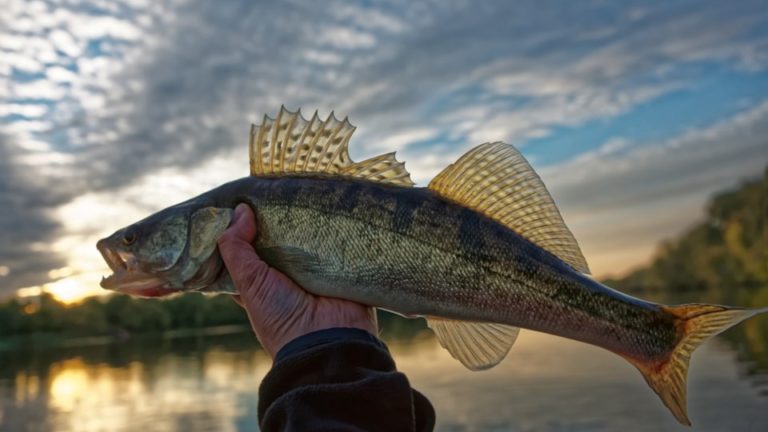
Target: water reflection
549,383
211,383
149,384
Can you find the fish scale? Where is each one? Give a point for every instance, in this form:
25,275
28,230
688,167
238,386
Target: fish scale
481,252
473,267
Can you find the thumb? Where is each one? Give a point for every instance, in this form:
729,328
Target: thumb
243,224
248,271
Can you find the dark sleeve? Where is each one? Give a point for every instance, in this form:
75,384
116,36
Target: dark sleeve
340,379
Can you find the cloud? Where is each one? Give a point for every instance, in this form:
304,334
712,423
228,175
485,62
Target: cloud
346,38
64,42
14,60
24,110
694,161
60,74
519,70
368,18
622,199
26,222
104,96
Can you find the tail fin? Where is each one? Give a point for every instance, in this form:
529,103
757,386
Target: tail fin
698,322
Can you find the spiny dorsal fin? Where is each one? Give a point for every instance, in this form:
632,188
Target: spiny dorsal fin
496,180
477,345
291,144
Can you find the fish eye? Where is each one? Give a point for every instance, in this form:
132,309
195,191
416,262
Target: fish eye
129,237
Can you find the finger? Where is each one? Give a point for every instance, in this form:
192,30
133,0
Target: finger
248,271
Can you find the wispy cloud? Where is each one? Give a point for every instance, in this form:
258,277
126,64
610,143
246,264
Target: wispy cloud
99,98
26,222
622,199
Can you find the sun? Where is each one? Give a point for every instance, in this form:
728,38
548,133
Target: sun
71,289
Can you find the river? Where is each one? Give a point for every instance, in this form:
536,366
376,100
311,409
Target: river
209,383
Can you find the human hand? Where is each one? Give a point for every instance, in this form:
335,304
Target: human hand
278,308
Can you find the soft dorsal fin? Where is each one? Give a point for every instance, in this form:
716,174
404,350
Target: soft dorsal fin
496,180
291,144
477,345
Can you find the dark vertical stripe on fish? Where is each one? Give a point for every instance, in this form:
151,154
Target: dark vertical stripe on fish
470,236
349,198
403,216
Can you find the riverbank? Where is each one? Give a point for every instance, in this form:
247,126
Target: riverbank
42,341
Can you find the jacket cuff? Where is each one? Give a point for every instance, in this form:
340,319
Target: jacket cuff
323,337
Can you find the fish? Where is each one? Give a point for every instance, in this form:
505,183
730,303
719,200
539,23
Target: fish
481,252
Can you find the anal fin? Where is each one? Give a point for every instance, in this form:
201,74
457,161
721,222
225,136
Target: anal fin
477,345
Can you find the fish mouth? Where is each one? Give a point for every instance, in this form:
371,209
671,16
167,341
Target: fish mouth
128,278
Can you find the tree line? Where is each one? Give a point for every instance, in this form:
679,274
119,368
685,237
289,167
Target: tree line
726,252
117,313
722,260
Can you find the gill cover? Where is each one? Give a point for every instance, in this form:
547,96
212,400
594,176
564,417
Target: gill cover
162,247
207,224
205,227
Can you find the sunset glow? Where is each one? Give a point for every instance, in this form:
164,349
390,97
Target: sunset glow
141,126
72,289
633,116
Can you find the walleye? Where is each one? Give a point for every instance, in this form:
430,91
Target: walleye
481,252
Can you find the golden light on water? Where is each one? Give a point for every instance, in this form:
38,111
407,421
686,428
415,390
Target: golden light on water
27,387
215,386
205,390
68,384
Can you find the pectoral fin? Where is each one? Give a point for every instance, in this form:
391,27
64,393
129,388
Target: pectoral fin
477,345
289,260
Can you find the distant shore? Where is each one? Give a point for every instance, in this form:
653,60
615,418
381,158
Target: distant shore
40,341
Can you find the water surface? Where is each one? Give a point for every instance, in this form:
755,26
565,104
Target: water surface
210,384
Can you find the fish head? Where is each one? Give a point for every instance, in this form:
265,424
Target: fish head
171,251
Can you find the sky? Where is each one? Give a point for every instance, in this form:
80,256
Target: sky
633,113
